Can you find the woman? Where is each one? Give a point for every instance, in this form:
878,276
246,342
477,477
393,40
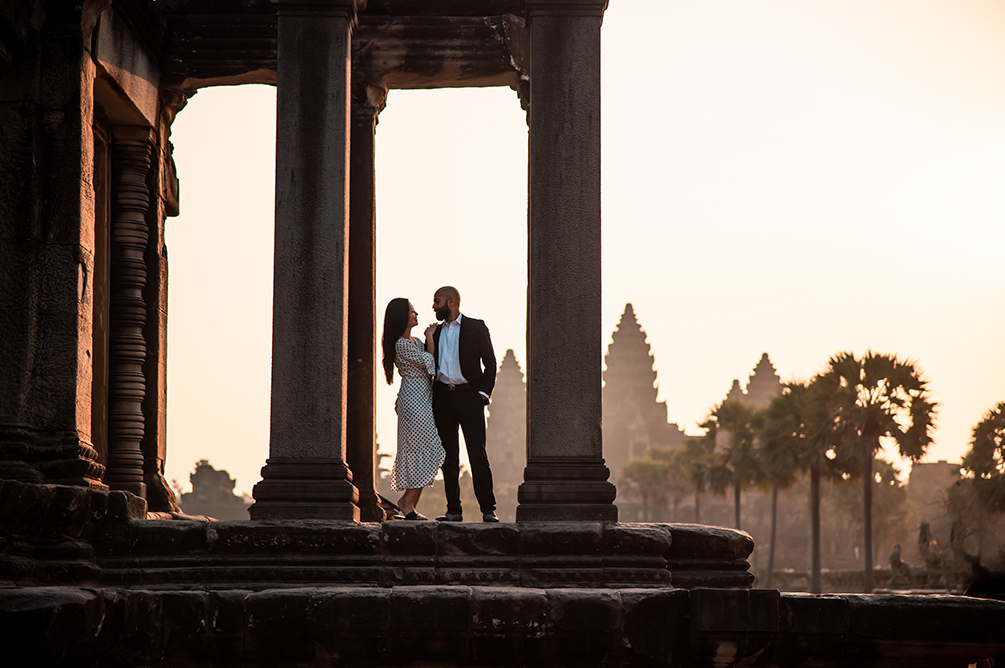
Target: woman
420,453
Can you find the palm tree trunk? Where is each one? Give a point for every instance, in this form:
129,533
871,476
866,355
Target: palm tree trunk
736,503
816,586
774,533
697,505
867,519
645,507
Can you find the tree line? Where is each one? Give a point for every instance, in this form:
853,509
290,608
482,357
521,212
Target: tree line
829,427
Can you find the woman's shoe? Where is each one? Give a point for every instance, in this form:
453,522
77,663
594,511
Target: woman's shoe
415,516
397,517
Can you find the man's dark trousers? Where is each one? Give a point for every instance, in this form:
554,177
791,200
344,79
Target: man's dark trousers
465,407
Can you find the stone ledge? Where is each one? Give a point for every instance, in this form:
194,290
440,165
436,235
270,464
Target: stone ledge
260,554
459,625
55,534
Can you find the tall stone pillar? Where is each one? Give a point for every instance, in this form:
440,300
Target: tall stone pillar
306,475
565,478
131,155
47,249
361,441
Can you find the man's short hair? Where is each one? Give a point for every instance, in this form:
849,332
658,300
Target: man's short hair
449,291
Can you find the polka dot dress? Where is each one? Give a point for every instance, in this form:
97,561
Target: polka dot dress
420,453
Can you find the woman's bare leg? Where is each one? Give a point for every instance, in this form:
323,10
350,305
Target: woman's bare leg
404,503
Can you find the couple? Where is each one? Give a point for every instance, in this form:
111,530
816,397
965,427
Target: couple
443,385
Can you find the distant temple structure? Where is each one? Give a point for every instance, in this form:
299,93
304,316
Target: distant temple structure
763,385
213,495
634,420
506,436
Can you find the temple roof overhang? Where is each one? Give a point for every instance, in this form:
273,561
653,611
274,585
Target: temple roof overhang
403,44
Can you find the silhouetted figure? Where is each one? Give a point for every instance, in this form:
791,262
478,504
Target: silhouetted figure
900,572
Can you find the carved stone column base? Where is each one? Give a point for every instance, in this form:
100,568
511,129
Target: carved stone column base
557,489
318,489
370,509
48,457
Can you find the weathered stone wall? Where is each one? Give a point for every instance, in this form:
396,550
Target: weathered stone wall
491,626
76,76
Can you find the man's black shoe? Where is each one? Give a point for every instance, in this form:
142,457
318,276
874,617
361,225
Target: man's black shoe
450,517
489,517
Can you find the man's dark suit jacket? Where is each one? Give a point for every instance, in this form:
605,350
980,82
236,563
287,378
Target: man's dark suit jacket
474,350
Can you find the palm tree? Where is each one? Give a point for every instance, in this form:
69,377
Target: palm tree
798,429
696,460
736,463
876,397
781,440
647,478
678,479
985,462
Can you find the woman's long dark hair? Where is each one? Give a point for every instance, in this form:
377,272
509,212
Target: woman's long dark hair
395,323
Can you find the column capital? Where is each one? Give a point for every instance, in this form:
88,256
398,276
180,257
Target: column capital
347,8
565,7
133,134
367,101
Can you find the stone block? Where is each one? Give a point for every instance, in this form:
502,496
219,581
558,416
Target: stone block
939,630
352,623
430,622
49,625
657,624
583,624
131,631
733,623
300,537
509,611
436,610
508,623
810,626
184,626
692,541
225,621
476,539
410,538
636,540
277,625
561,538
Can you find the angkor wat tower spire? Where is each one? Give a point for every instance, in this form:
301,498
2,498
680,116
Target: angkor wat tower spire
506,435
764,383
633,420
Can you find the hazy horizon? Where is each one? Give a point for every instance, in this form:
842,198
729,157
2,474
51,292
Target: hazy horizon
784,177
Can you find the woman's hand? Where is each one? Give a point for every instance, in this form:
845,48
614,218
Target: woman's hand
428,335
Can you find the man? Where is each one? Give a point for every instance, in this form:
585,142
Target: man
465,376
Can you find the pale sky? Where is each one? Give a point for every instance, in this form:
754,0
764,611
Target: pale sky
792,177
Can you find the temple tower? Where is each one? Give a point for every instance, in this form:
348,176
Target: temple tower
764,383
634,420
506,435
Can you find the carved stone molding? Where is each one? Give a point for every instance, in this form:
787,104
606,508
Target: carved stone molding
349,9
566,7
131,159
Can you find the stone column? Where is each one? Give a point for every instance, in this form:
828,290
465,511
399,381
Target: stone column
306,475
361,441
131,154
565,478
47,248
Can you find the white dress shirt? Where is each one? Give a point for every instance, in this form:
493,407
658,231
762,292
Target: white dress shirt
450,355
450,359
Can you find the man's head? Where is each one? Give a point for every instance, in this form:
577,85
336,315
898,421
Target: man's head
447,303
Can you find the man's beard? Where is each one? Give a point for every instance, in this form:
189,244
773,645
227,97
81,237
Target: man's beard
442,312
